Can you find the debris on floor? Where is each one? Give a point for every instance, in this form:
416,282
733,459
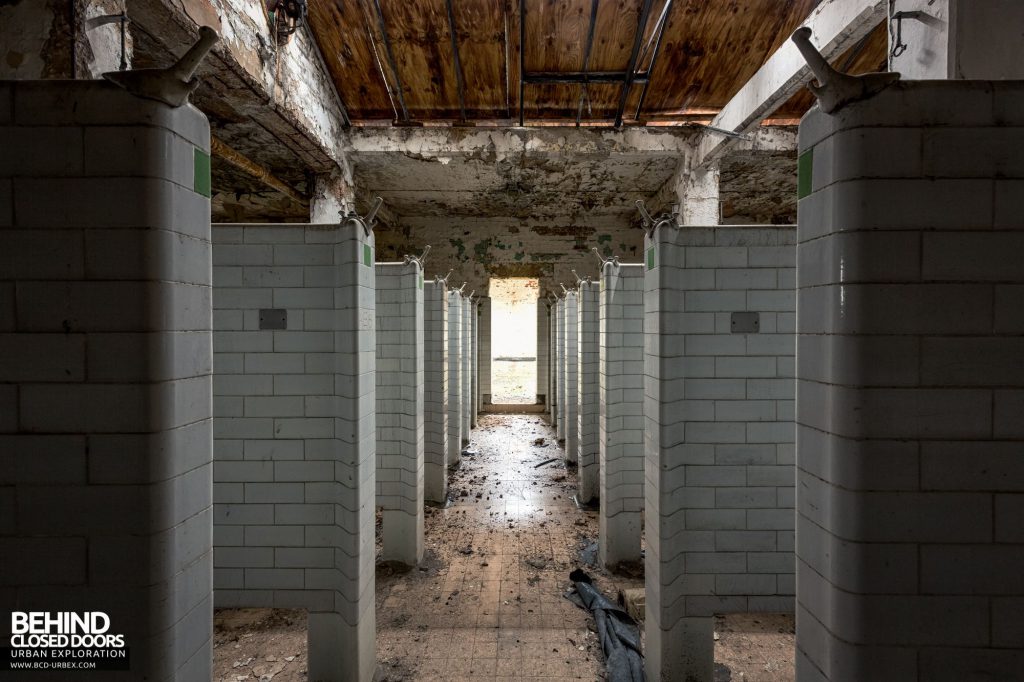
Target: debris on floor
634,600
617,630
476,607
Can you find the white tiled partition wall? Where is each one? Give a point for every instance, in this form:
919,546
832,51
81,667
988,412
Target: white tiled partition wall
400,410
560,367
483,356
455,368
588,390
553,401
911,386
294,469
621,412
435,391
719,361
467,368
543,355
474,361
571,364
105,408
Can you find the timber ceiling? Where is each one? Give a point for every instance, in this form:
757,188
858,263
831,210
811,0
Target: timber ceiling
395,60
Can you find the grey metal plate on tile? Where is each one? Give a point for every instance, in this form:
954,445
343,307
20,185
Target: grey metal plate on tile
273,318
746,323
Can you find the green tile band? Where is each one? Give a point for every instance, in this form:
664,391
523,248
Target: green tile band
367,256
201,182
804,171
650,258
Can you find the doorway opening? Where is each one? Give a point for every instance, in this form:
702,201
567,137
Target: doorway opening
514,340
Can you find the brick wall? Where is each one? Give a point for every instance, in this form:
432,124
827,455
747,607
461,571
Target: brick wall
911,387
719,437
435,391
294,431
105,412
620,412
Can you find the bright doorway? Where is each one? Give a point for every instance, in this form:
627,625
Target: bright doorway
514,341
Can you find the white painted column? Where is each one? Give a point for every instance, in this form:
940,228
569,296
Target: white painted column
560,367
959,39
455,367
105,364
467,369
719,439
571,371
697,193
588,394
543,355
484,355
295,435
400,409
910,404
621,413
435,391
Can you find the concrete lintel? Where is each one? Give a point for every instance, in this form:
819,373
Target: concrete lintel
837,25
499,143
283,90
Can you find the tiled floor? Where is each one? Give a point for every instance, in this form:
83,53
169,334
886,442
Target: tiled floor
488,603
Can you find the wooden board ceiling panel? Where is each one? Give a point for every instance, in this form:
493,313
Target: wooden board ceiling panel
708,51
421,44
340,30
480,27
711,49
556,31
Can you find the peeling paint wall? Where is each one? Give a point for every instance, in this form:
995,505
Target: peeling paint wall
35,40
758,188
481,248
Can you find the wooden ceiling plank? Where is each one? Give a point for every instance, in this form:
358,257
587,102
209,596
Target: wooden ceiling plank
458,62
391,59
645,11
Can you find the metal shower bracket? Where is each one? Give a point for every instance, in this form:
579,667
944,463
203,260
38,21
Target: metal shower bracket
420,259
649,223
367,221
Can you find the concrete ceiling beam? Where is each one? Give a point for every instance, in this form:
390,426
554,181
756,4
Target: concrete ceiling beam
837,25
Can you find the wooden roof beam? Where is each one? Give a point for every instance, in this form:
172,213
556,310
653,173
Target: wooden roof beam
837,25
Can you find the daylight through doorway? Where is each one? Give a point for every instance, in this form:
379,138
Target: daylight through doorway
514,341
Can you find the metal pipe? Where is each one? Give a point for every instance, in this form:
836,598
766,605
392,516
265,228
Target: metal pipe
645,12
391,60
261,173
457,61
663,22
576,77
